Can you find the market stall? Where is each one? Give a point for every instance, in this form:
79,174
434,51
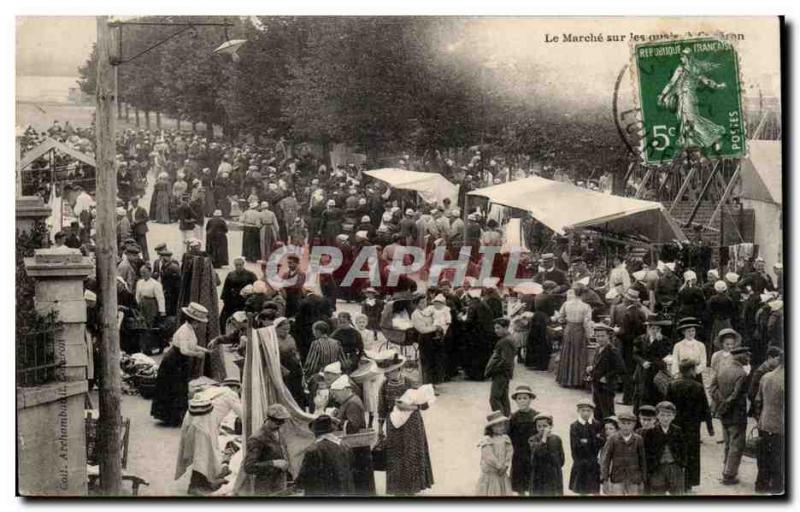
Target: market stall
563,206
431,187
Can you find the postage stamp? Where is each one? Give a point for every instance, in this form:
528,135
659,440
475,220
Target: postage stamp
690,99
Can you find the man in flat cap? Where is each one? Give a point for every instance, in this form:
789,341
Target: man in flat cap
266,460
729,392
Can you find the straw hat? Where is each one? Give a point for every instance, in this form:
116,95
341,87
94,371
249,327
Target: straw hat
495,417
199,406
686,322
732,277
277,412
390,361
720,286
333,368
523,389
725,333
196,312
632,294
367,369
342,382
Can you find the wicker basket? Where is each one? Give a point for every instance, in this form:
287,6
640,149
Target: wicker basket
364,437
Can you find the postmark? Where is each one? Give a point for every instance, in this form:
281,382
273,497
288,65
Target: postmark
689,95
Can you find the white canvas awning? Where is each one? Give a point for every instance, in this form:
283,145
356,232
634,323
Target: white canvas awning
432,187
762,172
561,206
50,144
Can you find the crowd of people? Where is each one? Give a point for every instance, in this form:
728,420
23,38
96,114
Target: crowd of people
671,329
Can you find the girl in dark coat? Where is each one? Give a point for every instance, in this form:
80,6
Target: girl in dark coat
547,459
585,440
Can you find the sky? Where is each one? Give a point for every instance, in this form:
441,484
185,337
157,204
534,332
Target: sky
519,54
53,46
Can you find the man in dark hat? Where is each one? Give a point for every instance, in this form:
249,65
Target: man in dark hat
549,272
649,351
500,367
774,359
730,398
632,325
689,398
327,468
606,367
293,291
138,217
266,458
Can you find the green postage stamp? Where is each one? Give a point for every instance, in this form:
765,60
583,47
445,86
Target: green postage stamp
690,99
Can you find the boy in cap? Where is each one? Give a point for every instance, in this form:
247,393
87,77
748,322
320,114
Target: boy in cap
500,367
624,462
647,419
521,427
266,457
585,440
606,366
666,453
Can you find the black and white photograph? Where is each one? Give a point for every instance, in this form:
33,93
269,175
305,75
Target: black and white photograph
415,256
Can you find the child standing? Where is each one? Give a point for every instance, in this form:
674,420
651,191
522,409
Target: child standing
372,307
647,419
585,440
496,455
666,453
521,428
624,462
361,323
547,459
610,427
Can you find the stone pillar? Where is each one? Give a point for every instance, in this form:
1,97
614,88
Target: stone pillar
29,210
59,279
51,429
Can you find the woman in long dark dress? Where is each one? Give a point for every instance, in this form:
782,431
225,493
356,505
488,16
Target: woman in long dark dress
160,200
217,240
251,233
547,459
291,367
578,317
538,346
408,460
171,398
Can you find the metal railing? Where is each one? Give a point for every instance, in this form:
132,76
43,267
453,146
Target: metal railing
37,360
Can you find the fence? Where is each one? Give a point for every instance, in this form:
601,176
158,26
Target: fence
37,361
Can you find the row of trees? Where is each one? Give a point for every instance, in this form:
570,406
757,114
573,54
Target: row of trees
382,83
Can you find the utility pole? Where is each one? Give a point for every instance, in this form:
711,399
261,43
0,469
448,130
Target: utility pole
110,422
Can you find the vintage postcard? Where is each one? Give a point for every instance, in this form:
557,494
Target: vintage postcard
409,256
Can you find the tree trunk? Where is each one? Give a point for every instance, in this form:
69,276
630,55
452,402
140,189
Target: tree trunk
127,113
147,119
194,126
209,130
136,112
178,120
158,120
